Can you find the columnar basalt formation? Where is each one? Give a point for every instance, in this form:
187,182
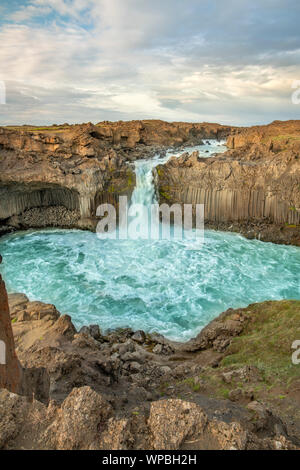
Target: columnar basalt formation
57,176
253,188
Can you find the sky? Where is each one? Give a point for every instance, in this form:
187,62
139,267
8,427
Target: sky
227,61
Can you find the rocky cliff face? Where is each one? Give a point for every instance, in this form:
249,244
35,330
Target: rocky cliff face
277,136
125,135
57,176
253,188
10,369
49,180
29,382
161,133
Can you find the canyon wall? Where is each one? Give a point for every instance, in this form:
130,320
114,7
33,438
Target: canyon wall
46,180
277,136
253,183
58,175
88,139
27,381
10,369
160,133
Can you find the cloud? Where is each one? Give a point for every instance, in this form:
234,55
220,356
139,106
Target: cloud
81,60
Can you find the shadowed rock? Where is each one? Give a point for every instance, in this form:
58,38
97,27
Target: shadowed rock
29,382
10,370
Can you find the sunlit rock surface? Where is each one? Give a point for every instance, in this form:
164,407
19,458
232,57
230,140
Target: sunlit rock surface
253,188
57,176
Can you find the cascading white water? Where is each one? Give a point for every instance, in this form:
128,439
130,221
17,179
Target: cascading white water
147,284
144,192
143,195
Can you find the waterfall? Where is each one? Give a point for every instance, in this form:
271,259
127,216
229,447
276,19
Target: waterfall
144,194
144,191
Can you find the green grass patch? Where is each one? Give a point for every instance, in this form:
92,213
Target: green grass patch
267,339
265,343
39,129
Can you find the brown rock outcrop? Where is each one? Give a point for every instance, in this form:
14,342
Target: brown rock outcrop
21,421
80,420
247,189
58,187
277,136
85,421
10,370
171,422
106,393
90,140
218,333
57,176
161,133
31,381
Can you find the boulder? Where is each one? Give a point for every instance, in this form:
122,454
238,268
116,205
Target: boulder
91,330
80,421
139,336
172,421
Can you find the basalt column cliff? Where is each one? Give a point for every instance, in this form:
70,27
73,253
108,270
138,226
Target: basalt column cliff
253,188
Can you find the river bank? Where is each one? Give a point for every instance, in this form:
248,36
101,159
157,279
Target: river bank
225,389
